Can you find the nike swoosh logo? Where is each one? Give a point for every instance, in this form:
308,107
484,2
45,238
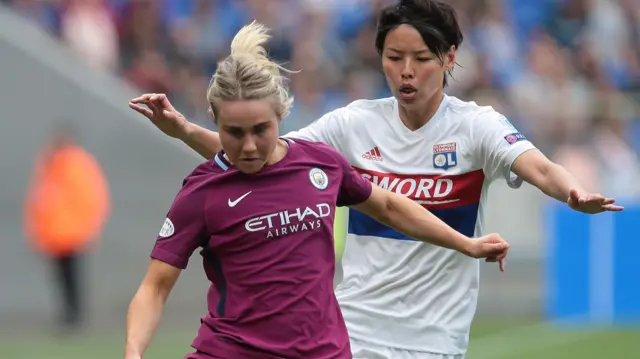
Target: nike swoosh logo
233,203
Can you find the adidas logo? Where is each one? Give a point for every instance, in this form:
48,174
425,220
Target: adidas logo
373,155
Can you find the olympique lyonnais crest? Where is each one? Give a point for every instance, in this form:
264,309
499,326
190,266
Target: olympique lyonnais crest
444,155
318,178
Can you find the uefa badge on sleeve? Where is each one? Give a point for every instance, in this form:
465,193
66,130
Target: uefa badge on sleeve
318,179
444,156
167,229
514,137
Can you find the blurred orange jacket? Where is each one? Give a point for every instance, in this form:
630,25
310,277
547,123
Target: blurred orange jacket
67,203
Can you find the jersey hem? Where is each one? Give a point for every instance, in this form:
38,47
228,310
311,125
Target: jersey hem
511,158
406,348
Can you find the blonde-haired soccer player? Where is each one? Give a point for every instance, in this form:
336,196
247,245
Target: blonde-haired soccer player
262,212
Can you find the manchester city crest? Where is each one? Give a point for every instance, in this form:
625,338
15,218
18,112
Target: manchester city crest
318,179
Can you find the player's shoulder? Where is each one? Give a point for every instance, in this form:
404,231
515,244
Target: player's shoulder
314,148
366,110
190,195
205,168
470,111
205,171
317,151
371,105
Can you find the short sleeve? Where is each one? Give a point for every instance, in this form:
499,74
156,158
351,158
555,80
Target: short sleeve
500,143
328,129
183,230
354,189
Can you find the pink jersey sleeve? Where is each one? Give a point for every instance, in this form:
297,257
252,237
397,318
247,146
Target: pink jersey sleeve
354,188
184,228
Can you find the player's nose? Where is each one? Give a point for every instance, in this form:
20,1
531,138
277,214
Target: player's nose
249,145
407,70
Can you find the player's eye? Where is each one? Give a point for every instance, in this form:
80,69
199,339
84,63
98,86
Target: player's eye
424,59
394,58
258,130
235,132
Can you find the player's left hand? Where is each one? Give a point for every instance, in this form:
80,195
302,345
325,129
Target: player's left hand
502,262
492,247
591,203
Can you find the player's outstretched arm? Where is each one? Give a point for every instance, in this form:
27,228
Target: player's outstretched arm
556,182
413,220
146,307
166,118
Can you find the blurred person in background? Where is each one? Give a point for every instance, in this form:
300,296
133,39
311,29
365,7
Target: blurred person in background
612,149
90,30
45,13
597,39
271,263
434,149
143,30
66,207
150,71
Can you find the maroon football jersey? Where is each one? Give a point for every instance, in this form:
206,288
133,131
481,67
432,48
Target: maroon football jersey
267,247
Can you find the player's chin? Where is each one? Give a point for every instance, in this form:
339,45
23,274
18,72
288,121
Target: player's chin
250,166
408,100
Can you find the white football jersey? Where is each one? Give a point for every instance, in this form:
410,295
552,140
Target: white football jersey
396,291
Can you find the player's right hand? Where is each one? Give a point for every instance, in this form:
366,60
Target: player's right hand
492,247
162,114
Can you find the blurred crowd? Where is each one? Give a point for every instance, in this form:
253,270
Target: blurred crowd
566,72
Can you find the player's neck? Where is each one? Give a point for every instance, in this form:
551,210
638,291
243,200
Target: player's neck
415,119
282,147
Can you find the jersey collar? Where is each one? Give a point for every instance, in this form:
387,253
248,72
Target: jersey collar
400,128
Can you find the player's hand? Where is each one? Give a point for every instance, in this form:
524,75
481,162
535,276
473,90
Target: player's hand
492,247
162,114
591,203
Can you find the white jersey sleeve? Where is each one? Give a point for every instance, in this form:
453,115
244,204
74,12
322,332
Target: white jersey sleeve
329,129
500,143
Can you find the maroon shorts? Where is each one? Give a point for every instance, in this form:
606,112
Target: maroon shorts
199,355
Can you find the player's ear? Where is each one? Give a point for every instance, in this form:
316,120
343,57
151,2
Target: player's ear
450,59
213,117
